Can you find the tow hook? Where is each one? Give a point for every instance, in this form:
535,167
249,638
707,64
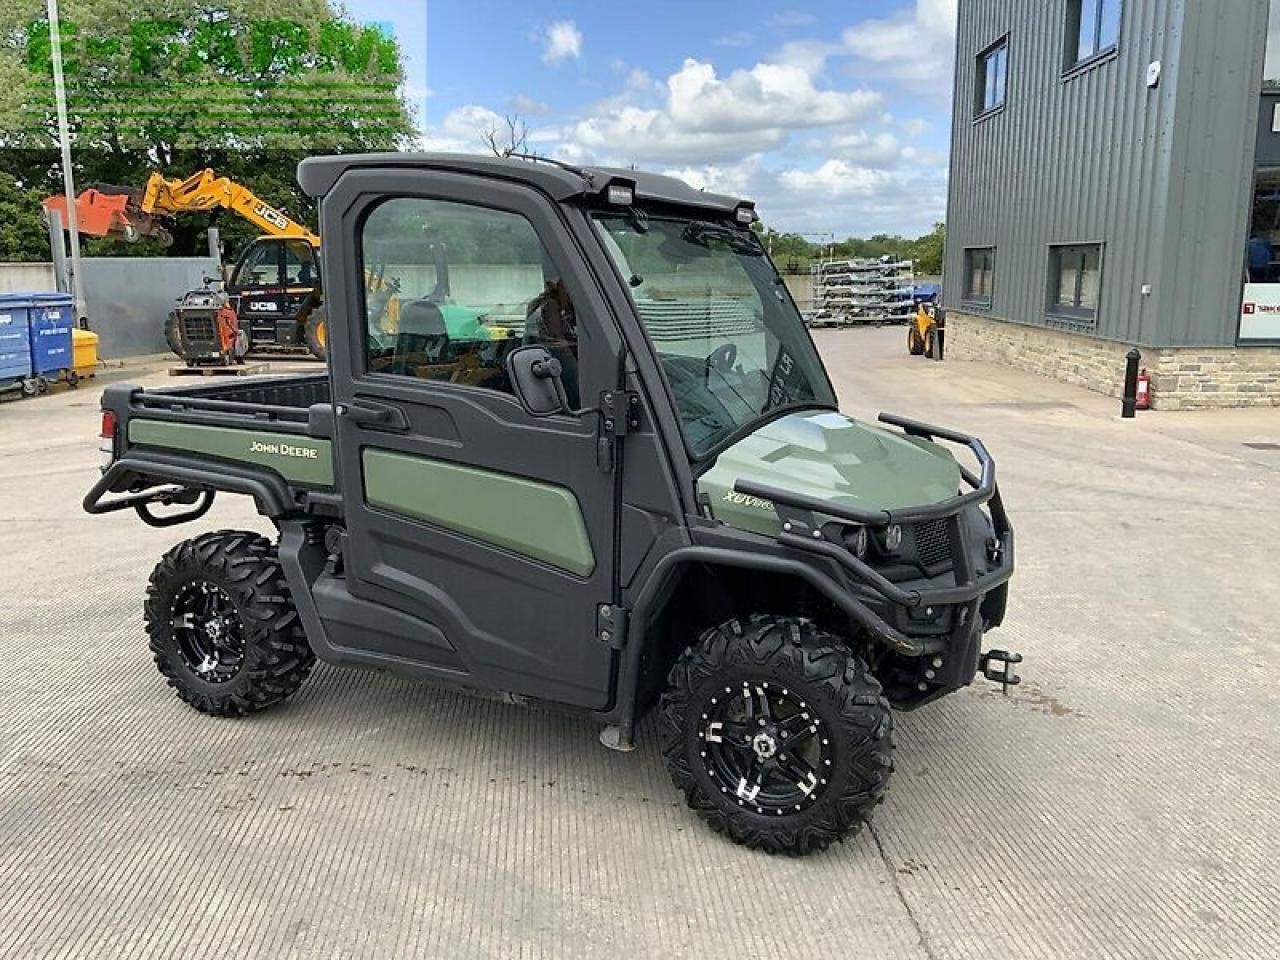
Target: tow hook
996,666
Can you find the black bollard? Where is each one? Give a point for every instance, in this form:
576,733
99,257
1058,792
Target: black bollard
1129,403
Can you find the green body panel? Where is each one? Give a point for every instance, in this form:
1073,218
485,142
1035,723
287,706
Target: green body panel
825,454
463,323
302,460
537,520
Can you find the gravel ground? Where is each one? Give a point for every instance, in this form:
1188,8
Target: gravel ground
1120,803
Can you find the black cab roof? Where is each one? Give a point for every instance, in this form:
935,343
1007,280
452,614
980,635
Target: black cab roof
317,175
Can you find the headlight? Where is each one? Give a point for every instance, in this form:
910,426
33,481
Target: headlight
856,540
893,537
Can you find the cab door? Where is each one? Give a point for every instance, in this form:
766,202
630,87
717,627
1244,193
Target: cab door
478,537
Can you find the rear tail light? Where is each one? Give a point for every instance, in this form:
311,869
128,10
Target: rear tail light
107,441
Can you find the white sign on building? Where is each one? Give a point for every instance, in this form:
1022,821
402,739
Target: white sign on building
1260,312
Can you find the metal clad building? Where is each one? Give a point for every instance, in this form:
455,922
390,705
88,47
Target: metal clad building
1102,179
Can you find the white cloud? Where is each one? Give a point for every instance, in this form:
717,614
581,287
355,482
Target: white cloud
916,46
817,150
461,130
809,55
703,116
837,196
834,179
878,150
739,39
561,41
769,95
524,104
470,121
848,199
735,180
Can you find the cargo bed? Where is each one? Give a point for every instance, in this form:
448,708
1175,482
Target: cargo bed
270,437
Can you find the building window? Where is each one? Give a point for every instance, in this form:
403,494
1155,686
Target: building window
979,273
993,71
1093,28
1075,277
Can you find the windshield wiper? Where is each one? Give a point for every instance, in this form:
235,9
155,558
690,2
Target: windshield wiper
700,231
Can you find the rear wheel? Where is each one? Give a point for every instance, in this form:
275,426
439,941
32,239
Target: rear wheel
915,344
173,334
778,736
222,625
317,334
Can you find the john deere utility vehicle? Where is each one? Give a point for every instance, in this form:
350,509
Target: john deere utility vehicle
601,466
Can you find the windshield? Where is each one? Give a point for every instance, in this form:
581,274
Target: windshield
729,339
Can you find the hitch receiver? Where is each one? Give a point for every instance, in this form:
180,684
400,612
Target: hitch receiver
996,666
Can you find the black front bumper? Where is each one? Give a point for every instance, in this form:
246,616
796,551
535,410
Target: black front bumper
941,618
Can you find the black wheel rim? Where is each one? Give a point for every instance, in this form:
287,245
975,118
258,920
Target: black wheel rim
765,748
206,626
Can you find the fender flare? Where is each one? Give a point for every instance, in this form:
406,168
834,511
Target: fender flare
669,567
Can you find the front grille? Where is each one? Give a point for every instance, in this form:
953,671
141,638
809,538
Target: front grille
932,543
198,329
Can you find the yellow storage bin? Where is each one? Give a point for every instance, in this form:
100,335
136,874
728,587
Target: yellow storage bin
84,352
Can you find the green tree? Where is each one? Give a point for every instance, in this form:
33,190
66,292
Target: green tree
248,87
22,236
927,251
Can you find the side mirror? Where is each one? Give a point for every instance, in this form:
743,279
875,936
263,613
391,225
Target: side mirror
535,377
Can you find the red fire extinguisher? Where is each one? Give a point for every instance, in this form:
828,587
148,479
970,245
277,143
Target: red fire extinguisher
1144,390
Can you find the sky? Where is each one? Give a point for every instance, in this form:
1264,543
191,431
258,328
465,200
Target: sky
833,117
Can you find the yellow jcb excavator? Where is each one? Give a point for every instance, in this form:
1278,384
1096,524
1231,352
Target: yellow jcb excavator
274,289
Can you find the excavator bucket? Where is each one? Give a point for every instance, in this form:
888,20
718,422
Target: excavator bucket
104,211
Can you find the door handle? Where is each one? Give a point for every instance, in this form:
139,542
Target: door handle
366,413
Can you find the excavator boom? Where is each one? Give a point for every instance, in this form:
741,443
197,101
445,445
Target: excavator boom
110,211
205,191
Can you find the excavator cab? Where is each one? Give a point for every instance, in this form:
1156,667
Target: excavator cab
275,289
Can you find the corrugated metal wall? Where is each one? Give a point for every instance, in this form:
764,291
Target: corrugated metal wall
1162,177
128,298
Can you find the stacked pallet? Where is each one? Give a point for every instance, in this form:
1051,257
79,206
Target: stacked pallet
849,292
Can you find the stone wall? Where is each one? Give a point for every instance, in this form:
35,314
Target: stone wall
1182,378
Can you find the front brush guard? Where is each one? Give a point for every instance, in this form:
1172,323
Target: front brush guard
806,521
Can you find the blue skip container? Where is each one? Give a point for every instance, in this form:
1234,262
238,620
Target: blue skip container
15,339
50,319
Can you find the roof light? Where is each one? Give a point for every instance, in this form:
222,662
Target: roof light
620,194
746,213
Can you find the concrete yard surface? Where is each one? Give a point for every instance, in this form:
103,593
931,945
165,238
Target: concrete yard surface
1122,802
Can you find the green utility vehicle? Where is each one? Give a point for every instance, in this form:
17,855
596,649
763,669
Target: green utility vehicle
600,467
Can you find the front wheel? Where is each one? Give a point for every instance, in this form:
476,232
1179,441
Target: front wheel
777,734
317,334
222,625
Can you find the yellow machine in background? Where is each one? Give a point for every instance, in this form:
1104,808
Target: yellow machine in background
923,333
274,287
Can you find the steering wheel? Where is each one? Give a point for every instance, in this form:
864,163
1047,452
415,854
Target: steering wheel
722,357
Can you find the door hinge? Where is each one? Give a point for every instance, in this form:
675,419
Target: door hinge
621,411
611,625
